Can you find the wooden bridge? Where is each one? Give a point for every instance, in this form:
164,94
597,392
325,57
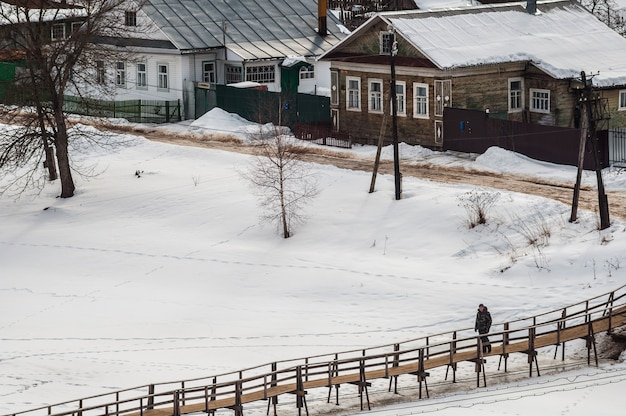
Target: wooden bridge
415,357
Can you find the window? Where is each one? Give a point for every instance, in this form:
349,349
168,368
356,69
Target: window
120,74
420,100
263,74
334,87
539,100
353,99
515,94
58,31
100,78
401,98
76,26
233,74
386,40
208,72
375,95
622,100
130,18
307,72
163,82
142,76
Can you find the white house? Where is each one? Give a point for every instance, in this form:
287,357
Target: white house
184,45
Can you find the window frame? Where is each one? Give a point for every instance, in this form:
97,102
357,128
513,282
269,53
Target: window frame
141,82
534,100
353,95
306,72
54,32
263,74
120,74
400,98
163,78
519,96
230,71
75,26
208,75
375,97
130,18
385,42
100,72
424,103
621,103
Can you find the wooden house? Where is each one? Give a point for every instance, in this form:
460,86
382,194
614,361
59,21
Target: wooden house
519,61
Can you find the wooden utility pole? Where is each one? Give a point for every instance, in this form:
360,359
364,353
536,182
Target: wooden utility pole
394,115
589,120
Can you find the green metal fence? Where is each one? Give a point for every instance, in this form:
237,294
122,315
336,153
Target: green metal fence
263,106
136,111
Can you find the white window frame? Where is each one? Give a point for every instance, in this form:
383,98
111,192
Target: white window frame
163,77
421,102
120,74
516,95
231,72
100,72
401,98
385,42
621,100
57,32
263,74
353,94
375,95
307,72
539,100
208,71
142,76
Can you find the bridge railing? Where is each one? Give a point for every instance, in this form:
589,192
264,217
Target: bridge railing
261,382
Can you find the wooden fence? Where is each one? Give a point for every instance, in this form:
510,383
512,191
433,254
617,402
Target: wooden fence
414,357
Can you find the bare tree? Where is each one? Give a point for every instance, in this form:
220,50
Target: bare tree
58,45
280,178
608,12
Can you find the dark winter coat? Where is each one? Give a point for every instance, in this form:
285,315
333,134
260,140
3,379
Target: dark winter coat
483,321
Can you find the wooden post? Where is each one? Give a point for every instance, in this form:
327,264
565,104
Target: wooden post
396,362
274,399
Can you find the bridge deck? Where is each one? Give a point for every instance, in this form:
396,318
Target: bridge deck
578,321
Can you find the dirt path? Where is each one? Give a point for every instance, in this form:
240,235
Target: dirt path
559,191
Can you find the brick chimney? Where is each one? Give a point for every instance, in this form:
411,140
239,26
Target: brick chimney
531,6
322,7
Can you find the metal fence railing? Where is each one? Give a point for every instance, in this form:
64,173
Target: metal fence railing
617,147
136,111
232,390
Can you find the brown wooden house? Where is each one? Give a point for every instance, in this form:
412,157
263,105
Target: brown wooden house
517,61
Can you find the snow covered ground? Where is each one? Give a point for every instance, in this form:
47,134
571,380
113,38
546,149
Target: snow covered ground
170,276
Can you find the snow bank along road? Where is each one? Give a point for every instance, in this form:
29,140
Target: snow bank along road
559,191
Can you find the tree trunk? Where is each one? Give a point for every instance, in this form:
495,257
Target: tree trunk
61,142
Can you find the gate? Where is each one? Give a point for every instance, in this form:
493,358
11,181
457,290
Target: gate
617,146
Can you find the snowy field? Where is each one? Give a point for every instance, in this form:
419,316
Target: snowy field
170,276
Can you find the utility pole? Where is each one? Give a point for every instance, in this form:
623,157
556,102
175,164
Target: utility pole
394,114
589,120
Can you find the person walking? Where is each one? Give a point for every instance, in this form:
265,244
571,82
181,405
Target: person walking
483,325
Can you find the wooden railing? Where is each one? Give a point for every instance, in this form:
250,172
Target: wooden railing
583,320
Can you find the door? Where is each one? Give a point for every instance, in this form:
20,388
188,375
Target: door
443,96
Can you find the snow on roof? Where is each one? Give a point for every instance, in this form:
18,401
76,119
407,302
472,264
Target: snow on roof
562,39
439,4
11,14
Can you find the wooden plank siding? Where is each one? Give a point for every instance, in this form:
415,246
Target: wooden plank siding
483,86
